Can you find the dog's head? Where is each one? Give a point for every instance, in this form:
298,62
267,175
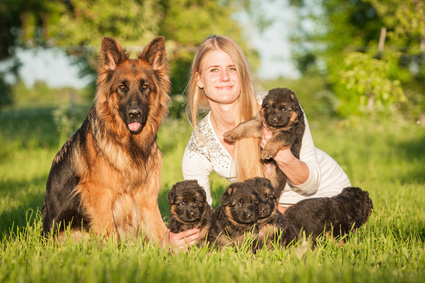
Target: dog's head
280,107
134,90
241,203
360,201
187,200
267,196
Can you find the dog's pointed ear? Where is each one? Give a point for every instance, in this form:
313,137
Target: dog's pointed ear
226,196
155,54
111,54
171,195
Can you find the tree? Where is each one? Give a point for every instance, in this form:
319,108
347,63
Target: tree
344,29
78,26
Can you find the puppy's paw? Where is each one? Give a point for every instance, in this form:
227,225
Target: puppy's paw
230,136
267,154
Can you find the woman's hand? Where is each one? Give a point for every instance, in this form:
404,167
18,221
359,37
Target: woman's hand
180,241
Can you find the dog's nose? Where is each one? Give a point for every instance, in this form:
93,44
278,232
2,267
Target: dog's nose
192,213
134,112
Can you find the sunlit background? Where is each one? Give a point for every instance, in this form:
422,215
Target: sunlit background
365,56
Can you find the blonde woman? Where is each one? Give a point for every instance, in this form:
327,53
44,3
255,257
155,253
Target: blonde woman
221,86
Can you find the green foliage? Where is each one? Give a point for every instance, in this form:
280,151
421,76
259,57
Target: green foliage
368,79
390,73
385,157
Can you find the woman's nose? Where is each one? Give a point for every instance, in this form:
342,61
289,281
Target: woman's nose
225,75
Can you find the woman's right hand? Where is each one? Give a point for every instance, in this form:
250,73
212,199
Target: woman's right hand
180,241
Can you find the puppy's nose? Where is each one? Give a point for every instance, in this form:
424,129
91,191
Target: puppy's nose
191,213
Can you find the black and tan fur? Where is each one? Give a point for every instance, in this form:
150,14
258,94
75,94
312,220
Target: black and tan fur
106,178
189,209
280,113
273,228
332,216
234,221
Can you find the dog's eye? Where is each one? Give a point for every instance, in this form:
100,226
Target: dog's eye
182,203
122,87
283,109
238,204
145,86
271,107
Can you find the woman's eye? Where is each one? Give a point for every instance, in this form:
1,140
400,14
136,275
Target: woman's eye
213,70
232,69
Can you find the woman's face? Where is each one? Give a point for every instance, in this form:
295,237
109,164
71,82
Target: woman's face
218,78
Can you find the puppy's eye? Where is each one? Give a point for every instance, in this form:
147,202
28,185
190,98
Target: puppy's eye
182,203
271,107
283,109
238,204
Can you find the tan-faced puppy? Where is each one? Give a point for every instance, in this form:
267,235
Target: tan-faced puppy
335,216
189,209
273,227
281,114
236,217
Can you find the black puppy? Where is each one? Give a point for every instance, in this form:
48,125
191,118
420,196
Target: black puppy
236,217
189,209
273,227
335,216
281,114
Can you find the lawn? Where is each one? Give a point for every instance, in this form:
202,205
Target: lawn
383,156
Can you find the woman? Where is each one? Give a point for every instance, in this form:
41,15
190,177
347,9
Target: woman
220,83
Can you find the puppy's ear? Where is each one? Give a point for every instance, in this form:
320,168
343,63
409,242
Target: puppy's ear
171,195
226,196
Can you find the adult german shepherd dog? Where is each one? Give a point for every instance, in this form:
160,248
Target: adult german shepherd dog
106,178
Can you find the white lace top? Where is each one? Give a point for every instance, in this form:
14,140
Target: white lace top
205,153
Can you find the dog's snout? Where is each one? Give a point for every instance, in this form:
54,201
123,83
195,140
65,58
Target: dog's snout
134,112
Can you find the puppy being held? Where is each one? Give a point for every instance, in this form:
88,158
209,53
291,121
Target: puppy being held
282,115
234,221
334,216
189,209
273,227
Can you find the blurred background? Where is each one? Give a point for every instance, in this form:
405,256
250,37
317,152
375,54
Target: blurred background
343,58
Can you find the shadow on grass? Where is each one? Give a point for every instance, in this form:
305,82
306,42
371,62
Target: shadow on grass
15,217
414,152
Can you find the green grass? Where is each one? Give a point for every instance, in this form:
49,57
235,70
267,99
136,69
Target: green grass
385,157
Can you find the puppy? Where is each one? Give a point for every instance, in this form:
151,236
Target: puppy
189,209
273,227
236,217
281,114
336,216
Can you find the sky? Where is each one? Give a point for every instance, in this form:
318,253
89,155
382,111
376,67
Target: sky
56,69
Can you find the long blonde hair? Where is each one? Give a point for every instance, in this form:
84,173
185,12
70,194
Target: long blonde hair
247,165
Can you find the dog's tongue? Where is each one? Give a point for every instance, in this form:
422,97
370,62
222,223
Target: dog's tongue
134,126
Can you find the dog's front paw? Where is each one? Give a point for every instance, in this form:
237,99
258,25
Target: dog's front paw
229,136
267,154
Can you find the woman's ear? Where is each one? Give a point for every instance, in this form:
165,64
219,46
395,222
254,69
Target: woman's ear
198,80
